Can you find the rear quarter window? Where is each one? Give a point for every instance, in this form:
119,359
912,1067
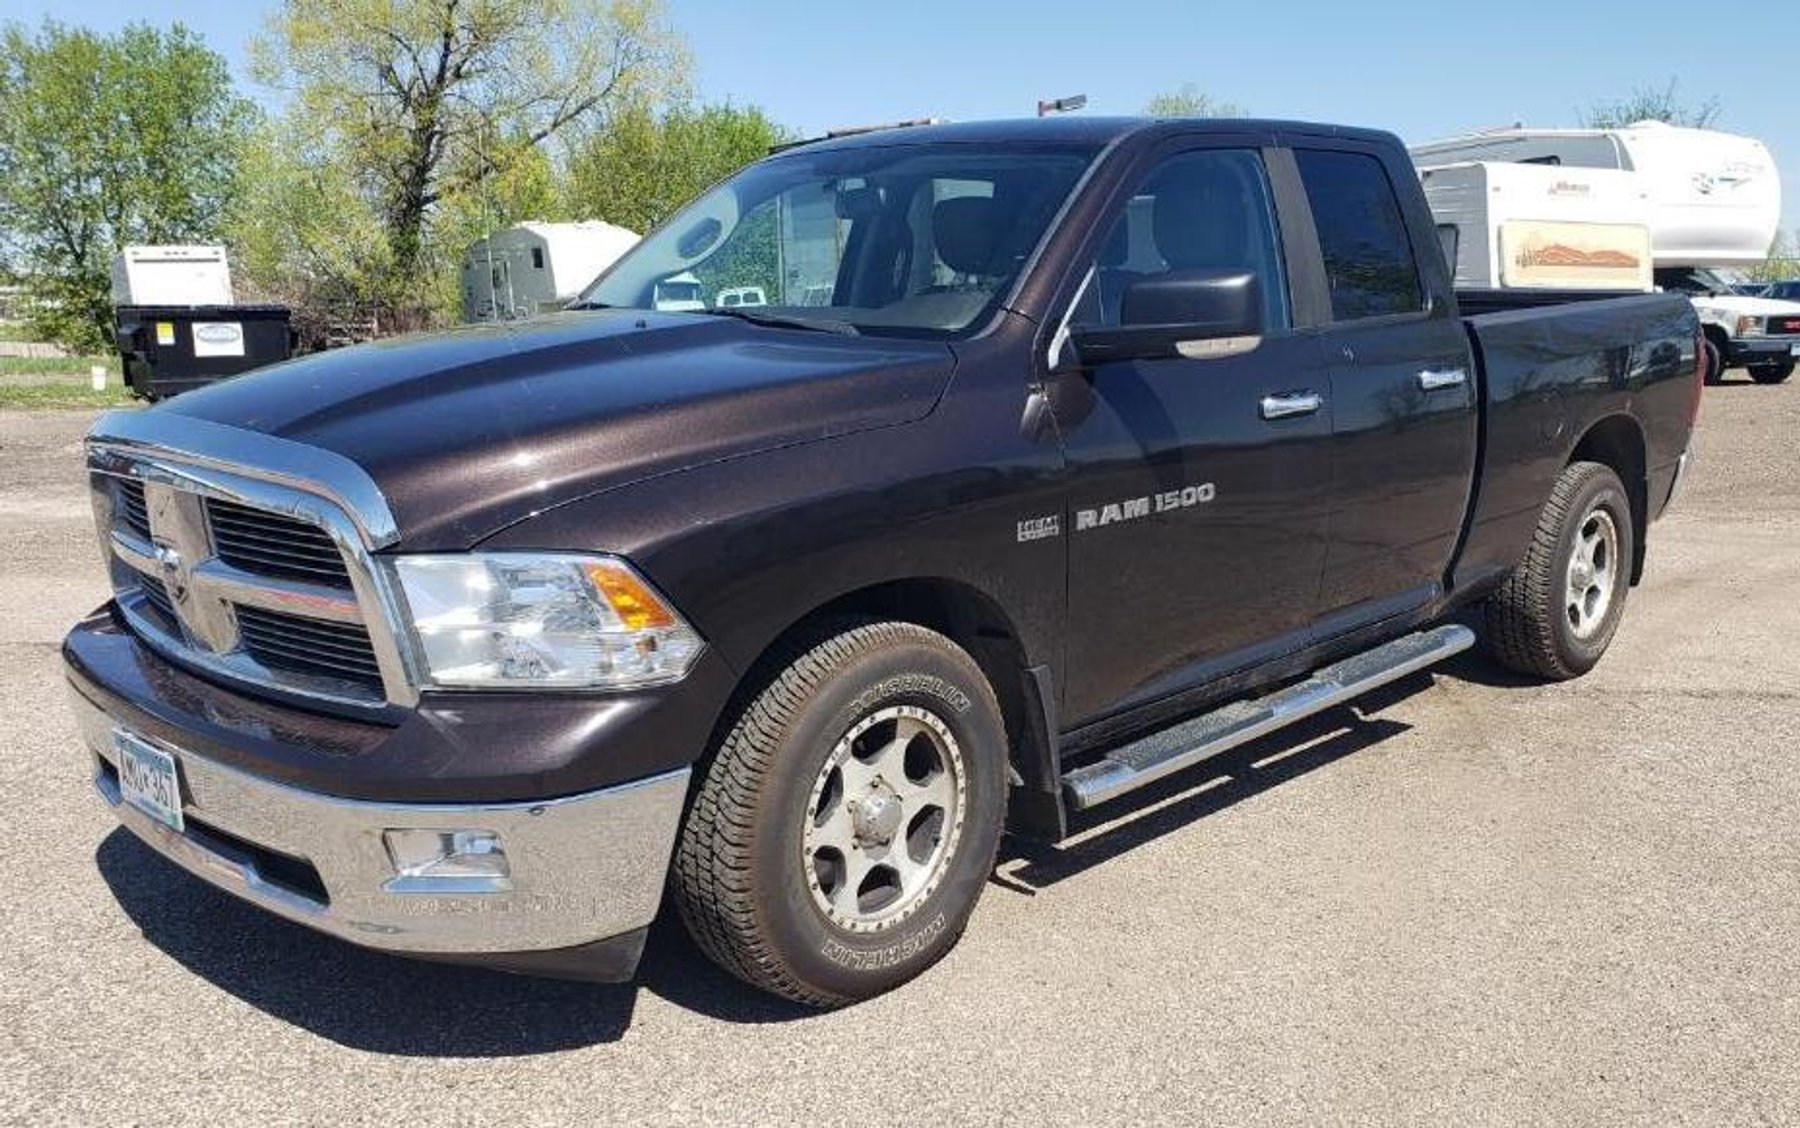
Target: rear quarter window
1369,259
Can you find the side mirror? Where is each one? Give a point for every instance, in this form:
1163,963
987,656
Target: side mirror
1185,313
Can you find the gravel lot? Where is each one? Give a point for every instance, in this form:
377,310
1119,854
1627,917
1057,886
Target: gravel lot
1478,902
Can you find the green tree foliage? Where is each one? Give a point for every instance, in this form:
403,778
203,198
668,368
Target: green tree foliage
642,165
1783,262
105,141
440,106
1652,103
1191,101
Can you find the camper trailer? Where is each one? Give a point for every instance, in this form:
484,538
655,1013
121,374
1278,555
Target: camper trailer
1518,226
1714,198
1710,199
533,268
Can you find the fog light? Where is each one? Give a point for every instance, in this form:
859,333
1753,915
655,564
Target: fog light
446,861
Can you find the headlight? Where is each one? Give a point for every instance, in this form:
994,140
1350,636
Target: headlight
1749,326
536,621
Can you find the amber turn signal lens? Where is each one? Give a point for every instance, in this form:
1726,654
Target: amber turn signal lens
635,604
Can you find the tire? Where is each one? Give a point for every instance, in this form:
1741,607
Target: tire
1772,373
798,797
1715,363
1538,622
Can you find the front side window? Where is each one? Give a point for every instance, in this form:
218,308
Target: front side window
900,240
1369,259
1201,211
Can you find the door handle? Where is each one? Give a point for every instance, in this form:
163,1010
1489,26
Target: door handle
1285,405
1435,379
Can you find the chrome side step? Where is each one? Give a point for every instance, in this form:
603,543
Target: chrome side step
1144,761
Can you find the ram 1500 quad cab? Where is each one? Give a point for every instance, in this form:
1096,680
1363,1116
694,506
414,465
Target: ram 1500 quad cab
1065,455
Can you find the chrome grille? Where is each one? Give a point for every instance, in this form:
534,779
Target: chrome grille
256,581
157,596
310,646
273,544
132,513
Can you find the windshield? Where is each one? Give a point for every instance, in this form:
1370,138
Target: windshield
1692,280
903,240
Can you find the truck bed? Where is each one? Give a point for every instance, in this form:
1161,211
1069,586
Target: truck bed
1619,367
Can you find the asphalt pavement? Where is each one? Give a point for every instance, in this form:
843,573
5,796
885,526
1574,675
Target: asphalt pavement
1475,901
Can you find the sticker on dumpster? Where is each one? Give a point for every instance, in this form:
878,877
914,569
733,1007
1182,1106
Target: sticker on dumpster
218,338
165,332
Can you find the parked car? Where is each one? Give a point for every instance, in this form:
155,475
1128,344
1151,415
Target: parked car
470,646
1761,335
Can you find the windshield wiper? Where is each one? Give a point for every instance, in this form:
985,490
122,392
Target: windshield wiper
781,321
581,304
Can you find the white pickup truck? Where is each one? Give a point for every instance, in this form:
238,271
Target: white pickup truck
1761,335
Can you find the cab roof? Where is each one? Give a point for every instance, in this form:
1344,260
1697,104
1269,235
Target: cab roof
1075,129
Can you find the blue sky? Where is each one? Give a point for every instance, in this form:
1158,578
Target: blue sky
1421,70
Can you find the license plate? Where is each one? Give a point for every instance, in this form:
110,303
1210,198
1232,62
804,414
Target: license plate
1794,350
147,780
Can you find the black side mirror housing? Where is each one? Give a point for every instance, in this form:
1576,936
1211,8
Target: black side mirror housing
1169,315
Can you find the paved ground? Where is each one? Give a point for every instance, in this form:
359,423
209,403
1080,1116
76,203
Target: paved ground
1484,903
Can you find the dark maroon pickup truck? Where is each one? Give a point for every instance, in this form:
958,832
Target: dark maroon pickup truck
1004,469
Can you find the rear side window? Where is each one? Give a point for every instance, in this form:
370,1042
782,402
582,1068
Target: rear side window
1368,256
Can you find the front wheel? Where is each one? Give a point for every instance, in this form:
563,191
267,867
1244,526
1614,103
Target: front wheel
848,822
1715,362
1773,372
1556,612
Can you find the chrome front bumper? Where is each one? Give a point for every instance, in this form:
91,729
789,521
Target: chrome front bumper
584,868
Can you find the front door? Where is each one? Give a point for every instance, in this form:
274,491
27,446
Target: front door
1198,488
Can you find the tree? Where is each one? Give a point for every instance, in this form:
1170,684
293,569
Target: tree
1190,101
1783,261
1650,103
429,101
642,165
105,141
301,232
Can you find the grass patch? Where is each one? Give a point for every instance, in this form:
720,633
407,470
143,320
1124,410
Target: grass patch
56,365
37,390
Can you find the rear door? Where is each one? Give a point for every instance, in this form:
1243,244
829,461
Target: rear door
1403,422
1197,487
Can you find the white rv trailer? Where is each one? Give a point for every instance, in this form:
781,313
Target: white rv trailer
533,268
1525,226
171,276
1714,198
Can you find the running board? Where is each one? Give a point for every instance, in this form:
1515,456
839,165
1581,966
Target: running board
1188,743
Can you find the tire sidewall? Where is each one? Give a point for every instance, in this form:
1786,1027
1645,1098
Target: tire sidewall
1602,489
850,964
1715,362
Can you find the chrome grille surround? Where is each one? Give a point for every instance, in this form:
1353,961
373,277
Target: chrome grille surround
178,466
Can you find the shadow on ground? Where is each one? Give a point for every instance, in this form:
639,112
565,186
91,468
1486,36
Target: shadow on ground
1181,800
387,1004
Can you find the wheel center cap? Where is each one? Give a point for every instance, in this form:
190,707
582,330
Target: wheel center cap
876,815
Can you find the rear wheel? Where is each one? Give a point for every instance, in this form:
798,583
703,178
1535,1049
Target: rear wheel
848,823
1556,613
1773,372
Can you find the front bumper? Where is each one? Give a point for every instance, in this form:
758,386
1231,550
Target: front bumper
587,870
1743,351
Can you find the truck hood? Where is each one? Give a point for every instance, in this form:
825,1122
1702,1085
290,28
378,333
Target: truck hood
469,431
1743,304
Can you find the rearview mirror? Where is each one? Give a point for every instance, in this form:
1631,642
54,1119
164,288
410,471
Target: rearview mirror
1185,313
